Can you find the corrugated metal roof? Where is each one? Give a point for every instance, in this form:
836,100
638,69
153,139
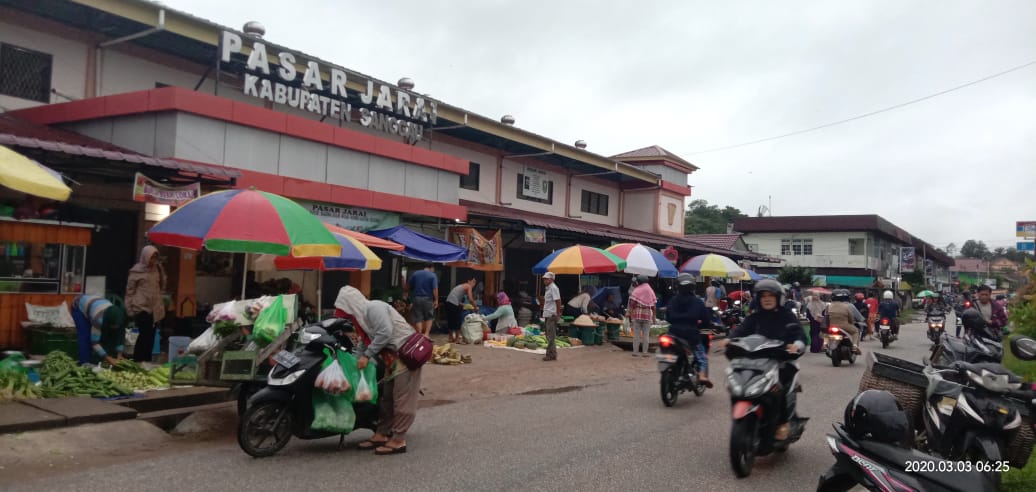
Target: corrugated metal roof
653,152
21,133
725,241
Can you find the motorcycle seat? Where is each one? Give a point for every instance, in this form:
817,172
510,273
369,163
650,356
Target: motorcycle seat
991,367
897,457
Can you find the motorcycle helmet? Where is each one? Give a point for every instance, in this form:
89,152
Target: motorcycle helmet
876,415
769,285
684,279
840,295
973,321
887,295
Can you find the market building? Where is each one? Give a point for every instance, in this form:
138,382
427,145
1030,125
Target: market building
144,107
855,251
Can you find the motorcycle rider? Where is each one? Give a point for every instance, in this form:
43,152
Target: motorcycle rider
992,312
774,321
845,316
861,305
889,309
935,308
687,315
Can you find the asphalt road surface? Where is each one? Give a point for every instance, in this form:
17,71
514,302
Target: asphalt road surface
615,436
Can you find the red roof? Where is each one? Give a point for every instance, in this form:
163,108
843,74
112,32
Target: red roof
725,241
653,153
970,265
17,132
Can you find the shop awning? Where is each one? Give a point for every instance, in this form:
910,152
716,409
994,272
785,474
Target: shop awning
850,281
422,247
16,132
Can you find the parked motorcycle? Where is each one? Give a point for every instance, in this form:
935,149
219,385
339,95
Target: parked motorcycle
839,346
870,457
284,408
678,368
936,327
968,348
973,410
755,394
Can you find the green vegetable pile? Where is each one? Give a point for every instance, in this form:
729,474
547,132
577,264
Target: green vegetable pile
15,385
130,375
60,376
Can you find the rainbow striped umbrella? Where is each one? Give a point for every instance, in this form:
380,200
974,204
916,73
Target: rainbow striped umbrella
246,221
643,260
712,265
355,256
578,260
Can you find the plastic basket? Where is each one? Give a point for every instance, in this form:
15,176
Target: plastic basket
43,342
588,335
238,365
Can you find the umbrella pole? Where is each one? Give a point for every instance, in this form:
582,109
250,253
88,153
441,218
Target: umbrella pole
320,297
244,277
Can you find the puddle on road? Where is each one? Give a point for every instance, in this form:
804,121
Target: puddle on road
552,391
433,403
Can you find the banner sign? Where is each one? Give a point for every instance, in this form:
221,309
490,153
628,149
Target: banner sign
148,190
352,218
535,183
535,235
484,253
1025,229
1029,246
907,259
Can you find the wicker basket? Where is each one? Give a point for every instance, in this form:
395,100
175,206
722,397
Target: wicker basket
910,396
1020,446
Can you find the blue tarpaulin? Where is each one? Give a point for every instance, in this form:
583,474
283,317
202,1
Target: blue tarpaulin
422,247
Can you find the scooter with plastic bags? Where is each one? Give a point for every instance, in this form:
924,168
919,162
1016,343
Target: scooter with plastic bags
313,392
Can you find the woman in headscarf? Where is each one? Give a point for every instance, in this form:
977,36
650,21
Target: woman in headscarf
504,313
144,300
816,312
383,330
641,312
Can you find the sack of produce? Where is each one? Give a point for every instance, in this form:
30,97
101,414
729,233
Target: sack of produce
471,330
207,340
270,323
332,413
332,379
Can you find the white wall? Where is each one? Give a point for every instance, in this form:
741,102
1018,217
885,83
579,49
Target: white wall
830,249
509,190
68,75
487,171
638,210
670,207
576,201
668,174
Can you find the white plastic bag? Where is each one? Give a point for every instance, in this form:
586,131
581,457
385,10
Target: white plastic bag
332,379
204,342
363,390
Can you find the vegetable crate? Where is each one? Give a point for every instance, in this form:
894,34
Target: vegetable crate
43,342
239,365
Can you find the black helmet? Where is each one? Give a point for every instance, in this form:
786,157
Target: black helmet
876,415
684,279
974,322
769,285
717,283
840,295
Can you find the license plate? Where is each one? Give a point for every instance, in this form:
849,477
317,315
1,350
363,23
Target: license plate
286,359
670,358
885,327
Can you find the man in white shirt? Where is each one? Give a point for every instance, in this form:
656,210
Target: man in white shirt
551,310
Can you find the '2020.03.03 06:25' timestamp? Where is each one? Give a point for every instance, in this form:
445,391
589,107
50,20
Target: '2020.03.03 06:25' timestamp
941,466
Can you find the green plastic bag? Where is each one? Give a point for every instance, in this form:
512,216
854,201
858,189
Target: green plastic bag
270,323
354,375
12,364
332,413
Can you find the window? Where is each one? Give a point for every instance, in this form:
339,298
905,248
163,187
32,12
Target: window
796,247
470,182
528,191
25,73
594,203
753,247
856,247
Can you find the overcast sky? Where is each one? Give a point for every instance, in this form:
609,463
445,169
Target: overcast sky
696,75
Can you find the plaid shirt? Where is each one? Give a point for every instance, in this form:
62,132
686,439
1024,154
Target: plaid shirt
640,311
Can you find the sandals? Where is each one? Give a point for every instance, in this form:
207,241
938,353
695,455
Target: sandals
370,444
386,449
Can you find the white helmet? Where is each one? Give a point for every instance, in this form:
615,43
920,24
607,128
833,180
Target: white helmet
887,295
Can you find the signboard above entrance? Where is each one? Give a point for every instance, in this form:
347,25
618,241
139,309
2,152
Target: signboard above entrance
382,107
352,218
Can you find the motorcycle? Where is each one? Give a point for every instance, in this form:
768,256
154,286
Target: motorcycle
678,368
972,410
839,346
731,318
885,332
936,326
753,380
284,408
969,348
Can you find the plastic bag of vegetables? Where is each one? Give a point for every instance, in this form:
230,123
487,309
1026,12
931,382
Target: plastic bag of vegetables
332,413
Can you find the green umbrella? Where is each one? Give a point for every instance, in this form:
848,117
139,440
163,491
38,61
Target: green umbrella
927,293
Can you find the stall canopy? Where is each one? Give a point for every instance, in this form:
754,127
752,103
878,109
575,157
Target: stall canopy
422,247
850,281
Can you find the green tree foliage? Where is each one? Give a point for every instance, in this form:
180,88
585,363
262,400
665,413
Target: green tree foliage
975,249
915,279
791,274
702,218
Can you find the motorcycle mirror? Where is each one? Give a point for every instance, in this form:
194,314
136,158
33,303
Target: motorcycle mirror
1023,348
737,303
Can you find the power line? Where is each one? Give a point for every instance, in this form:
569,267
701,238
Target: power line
865,115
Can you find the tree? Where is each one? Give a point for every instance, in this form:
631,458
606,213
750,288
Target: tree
702,218
791,274
975,249
915,279
1001,251
951,250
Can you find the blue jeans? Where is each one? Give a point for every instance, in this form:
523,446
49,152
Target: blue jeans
703,360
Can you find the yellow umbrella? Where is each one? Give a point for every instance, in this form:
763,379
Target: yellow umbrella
28,176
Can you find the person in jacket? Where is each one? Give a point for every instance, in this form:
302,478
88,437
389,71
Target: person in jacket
144,303
580,304
860,303
641,312
101,328
776,322
889,309
845,316
504,313
993,312
382,331
816,313
459,295
687,315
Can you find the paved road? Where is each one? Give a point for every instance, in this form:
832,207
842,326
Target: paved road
614,436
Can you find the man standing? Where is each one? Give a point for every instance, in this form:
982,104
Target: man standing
423,290
551,309
992,312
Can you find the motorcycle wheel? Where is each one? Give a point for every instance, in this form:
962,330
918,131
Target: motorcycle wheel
884,342
264,429
743,443
976,455
667,385
836,358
